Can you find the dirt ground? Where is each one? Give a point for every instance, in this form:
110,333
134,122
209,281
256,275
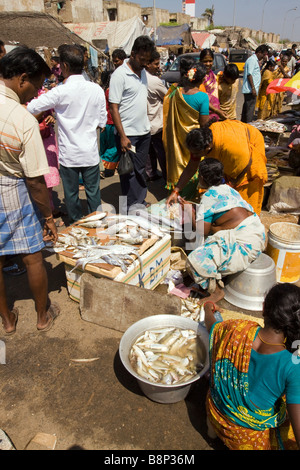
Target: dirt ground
93,405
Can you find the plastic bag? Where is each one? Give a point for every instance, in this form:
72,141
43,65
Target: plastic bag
125,164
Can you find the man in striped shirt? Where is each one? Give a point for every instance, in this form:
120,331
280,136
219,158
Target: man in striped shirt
25,213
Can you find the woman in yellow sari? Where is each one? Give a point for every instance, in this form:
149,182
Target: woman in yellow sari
264,101
241,149
282,71
184,108
253,402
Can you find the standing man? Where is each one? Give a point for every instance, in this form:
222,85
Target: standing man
25,212
80,109
128,106
251,82
156,94
118,56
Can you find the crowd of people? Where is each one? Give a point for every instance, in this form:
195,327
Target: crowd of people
213,164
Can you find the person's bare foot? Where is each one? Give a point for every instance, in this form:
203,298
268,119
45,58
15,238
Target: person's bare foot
51,314
10,323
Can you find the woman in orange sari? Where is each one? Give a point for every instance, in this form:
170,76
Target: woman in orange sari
264,101
241,149
282,71
253,402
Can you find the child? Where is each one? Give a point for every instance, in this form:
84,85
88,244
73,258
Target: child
228,86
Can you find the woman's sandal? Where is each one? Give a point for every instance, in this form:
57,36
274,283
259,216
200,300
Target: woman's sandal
15,311
52,312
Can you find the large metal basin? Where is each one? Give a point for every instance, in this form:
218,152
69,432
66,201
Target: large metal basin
159,392
247,289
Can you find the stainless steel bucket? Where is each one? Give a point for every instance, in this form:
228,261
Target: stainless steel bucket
159,392
247,289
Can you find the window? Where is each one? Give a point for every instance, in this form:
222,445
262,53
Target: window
112,14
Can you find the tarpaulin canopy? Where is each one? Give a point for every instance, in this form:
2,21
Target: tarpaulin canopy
36,30
118,34
174,35
203,40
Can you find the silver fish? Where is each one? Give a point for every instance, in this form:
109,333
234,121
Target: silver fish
140,221
92,218
128,239
114,229
151,355
115,261
92,224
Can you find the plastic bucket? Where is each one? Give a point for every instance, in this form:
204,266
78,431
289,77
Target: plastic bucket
284,248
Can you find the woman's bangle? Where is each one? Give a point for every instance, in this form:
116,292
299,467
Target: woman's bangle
48,218
209,302
175,191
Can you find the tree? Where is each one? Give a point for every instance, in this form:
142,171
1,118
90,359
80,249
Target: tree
209,15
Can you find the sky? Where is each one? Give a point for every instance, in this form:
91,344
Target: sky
272,15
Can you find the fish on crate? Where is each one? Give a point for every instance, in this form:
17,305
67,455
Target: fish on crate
92,218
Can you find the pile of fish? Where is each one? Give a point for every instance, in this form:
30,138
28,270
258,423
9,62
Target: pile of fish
269,126
129,232
192,309
166,356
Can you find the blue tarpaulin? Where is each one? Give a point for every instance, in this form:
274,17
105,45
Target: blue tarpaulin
174,35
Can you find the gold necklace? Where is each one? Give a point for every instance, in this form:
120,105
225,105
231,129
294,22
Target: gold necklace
272,344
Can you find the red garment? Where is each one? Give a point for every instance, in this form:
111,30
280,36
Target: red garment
109,118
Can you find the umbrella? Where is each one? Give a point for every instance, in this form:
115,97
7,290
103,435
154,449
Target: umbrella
285,84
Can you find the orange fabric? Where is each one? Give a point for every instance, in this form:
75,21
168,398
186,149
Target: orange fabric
234,144
236,437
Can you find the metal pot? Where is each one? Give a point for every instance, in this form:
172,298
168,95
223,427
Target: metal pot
159,392
247,289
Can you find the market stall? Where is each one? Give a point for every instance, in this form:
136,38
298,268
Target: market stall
127,249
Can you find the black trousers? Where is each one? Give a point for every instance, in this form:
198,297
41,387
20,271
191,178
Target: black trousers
156,153
248,107
133,185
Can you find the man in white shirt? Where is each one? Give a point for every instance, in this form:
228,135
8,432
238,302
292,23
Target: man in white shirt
128,106
156,94
80,109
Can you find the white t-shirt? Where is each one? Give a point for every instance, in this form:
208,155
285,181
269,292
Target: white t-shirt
80,108
130,92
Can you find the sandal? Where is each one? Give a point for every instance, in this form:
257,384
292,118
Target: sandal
14,270
15,311
52,312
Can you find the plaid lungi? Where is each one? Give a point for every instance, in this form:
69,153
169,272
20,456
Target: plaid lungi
20,221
